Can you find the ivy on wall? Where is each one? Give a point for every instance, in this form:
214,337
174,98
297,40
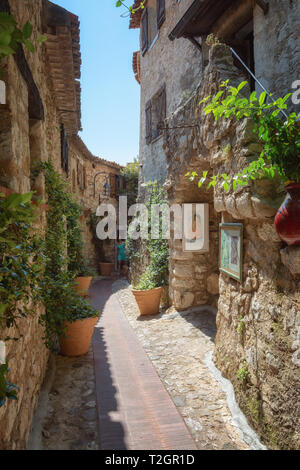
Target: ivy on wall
21,267
157,273
64,260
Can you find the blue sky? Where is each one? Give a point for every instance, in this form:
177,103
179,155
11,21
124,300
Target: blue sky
110,93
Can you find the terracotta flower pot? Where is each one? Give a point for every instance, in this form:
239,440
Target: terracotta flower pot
106,268
78,337
83,285
148,300
287,220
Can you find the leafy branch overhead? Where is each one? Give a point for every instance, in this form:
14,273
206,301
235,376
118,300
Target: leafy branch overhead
11,36
279,136
130,8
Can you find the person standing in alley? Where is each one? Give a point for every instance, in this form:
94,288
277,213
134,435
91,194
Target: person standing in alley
122,257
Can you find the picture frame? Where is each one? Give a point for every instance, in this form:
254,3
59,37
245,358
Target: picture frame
231,250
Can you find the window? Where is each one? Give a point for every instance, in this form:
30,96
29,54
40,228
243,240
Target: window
155,115
152,19
64,150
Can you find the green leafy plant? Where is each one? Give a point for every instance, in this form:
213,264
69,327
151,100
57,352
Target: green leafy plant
243,373
63,250
280,137
7,389
157,273
11,36
241,325
131,9
21,267
21,259
130,174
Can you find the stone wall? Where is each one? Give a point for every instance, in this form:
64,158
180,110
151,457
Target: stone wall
168,63
24,142
258,319
27,357
82,159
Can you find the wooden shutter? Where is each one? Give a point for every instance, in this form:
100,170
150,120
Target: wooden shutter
145,31
161,12
148,122
64,150
161,114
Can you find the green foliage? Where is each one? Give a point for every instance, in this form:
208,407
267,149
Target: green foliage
64,259
212,40
243,373
11,36
120,3
157,273
252,408
280,138
130,174
21,259
241,325
7,389
21,267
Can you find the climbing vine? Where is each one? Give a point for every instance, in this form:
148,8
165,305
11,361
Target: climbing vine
64,259
131,8
21,259
7,389
21,267
11,36
157,273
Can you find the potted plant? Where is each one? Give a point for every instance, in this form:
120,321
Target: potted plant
148,294
279,135
83,281
149,289
78,329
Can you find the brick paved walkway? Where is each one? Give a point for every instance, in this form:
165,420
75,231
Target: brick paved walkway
135,411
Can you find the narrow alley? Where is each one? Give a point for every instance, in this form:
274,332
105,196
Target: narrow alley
152,384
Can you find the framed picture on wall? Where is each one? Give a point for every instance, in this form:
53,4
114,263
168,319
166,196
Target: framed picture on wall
231,250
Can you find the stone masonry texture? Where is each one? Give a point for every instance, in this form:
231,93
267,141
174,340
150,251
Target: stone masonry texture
24,142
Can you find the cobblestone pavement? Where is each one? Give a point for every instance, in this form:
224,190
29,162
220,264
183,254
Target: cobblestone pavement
177,345
71,421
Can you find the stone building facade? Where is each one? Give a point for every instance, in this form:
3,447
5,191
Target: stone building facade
42,116
258,318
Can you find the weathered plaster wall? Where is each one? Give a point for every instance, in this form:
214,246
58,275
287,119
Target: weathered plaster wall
177,64
258,319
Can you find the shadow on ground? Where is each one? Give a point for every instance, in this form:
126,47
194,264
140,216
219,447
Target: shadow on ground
110,429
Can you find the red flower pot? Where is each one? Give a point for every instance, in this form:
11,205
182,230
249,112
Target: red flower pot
287,220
